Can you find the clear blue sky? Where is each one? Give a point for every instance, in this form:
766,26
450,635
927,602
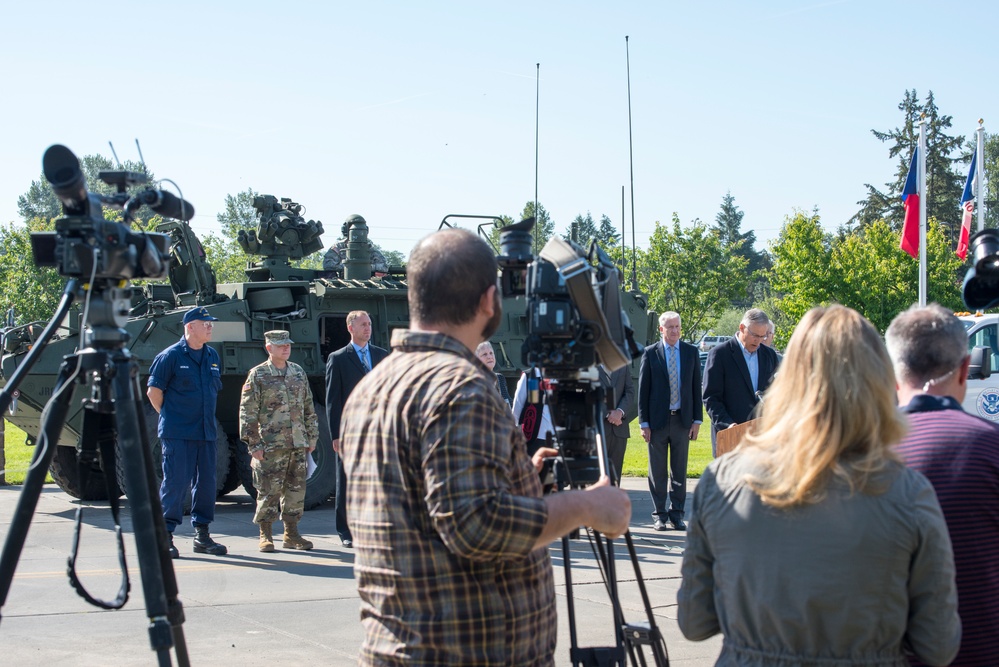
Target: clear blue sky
406,111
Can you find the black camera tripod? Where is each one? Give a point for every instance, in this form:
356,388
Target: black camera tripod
578,414
112,406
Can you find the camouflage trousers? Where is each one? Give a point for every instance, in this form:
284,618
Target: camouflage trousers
280,483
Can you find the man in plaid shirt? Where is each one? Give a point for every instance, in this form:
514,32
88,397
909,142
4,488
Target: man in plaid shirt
444,504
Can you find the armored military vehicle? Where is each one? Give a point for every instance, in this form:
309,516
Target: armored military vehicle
311,304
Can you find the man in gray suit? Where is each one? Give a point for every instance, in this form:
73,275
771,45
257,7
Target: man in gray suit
616,430
670,414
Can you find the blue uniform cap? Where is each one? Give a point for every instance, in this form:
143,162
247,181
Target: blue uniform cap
198,314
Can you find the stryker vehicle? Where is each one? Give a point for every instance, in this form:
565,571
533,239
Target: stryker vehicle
311,304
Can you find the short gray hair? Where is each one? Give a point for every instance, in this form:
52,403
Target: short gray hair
481,347
926,343
755,316
667,316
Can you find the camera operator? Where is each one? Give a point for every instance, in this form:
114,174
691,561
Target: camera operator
449,523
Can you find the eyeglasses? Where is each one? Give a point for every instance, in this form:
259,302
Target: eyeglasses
208,325
756,336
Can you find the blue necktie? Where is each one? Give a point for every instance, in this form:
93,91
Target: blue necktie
364,358
674,382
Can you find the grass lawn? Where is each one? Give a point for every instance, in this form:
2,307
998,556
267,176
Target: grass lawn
18,455
636,457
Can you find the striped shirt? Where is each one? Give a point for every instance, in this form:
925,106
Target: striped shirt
444,506
959,454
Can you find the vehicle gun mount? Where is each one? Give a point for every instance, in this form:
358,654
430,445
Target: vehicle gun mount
282,234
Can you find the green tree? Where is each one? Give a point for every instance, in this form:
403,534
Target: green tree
800,273
18,271
544,226
943,183
864,269
687,270
877,279
40,202
728,226
607,235
585,228
226,258
238,213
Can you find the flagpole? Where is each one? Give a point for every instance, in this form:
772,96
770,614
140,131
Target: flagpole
980,175
921,176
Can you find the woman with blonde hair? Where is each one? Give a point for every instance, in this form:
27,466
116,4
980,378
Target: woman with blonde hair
811,543
487,356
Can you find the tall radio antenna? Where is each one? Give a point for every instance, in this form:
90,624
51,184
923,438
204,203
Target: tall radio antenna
631,160
537,125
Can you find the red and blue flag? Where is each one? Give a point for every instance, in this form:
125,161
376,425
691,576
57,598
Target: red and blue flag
968,208
910,199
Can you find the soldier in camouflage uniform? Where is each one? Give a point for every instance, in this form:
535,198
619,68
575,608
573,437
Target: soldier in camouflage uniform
278,424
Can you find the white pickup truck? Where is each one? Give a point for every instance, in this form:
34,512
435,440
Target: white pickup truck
982,398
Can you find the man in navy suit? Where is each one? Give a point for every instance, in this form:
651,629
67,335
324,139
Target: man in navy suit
670,415
344,369
736,374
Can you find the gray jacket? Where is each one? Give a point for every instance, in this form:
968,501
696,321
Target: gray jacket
855,579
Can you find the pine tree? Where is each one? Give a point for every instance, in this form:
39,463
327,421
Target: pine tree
943,183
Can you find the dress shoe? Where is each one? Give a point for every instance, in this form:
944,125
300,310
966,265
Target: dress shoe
678,524
348,543
659,524
174,553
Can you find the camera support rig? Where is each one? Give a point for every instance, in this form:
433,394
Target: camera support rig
575,323
106,255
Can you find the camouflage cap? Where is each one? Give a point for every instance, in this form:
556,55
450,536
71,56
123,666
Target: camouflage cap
278,337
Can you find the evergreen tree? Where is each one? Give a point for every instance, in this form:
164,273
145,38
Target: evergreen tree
943,182
607,235
728,227
585,230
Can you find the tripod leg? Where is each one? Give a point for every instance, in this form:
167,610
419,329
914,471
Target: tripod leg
159,584
57,408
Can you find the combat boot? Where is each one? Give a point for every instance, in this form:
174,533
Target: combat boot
266,538
172,549
204,544
292,540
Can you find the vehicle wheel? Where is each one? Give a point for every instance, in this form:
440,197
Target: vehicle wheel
66,474
243,469
232,480
320,485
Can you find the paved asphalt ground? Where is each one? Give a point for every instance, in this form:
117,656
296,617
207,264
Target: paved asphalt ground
289,607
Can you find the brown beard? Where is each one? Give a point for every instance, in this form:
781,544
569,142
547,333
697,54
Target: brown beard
493,324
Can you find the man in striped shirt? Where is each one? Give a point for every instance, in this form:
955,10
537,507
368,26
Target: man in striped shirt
959,454
445,506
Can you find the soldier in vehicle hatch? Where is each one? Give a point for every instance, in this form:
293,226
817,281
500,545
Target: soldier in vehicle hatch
334,258
280,428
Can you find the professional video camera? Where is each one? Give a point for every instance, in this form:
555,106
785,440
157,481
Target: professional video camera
575,323
981,283
100,257
82,236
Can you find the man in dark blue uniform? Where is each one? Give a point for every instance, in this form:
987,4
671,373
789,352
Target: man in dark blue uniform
184,382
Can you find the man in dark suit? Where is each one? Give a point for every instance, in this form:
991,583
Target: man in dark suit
670,415
344,369
736,374
616,430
